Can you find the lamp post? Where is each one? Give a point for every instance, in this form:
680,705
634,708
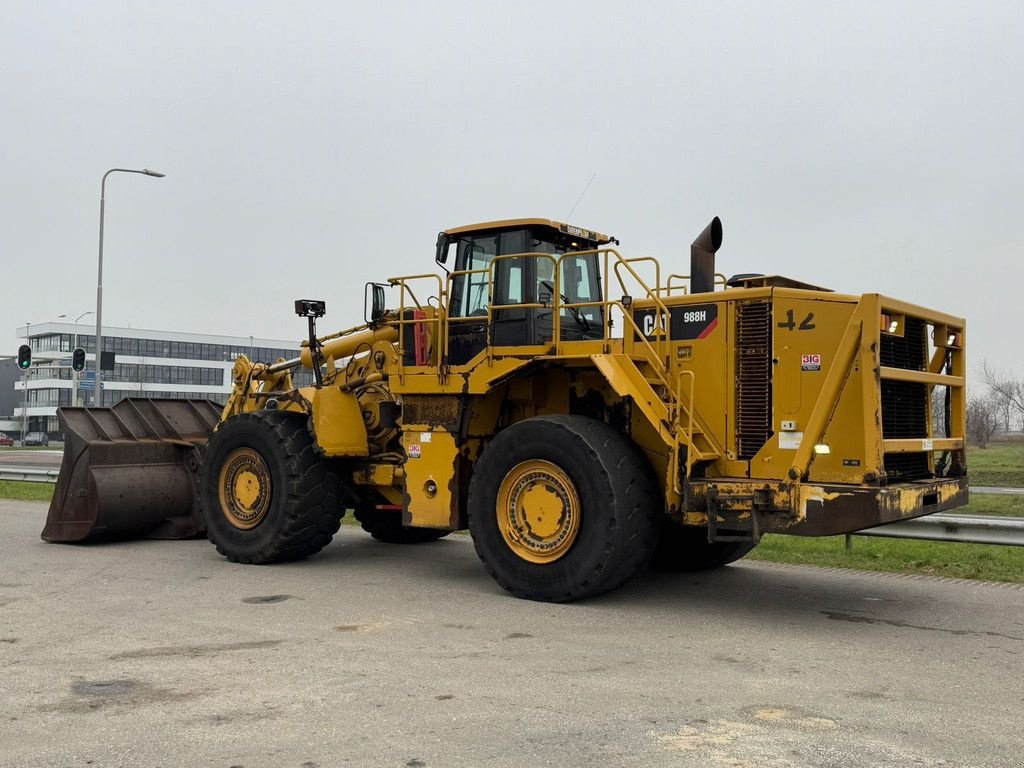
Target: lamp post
97,397
74,373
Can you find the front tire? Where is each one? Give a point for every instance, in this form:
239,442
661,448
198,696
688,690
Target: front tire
562,508
267,495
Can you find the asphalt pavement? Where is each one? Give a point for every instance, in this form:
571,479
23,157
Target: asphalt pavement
163,654
40,457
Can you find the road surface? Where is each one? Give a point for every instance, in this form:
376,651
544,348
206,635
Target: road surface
163,654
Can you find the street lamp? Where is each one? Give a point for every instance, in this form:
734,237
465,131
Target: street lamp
97,397
74,373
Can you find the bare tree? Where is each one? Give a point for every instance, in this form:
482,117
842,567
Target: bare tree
982,419
1007,391
939,411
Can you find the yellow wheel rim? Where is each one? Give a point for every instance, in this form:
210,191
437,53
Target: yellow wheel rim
538,511
244,488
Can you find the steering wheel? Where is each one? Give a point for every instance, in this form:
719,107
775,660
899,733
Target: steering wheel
579,317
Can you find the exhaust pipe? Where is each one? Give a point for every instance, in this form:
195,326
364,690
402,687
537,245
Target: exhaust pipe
702,257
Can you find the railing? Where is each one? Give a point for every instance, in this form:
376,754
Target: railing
29,474
615,269
968,529
437,320
670,283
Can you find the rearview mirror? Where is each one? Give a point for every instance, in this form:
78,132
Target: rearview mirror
441,255
375,302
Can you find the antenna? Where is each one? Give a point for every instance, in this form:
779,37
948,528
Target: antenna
578,199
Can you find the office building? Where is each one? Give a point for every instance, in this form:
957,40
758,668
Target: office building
153,364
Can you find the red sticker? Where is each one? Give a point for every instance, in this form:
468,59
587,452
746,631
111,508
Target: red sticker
810,363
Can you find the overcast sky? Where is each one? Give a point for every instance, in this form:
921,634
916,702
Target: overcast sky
310,147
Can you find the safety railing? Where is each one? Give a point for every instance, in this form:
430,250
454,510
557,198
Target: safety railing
428,316
615,270
556,306
451,279
673,283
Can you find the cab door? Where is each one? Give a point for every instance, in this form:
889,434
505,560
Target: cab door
472,294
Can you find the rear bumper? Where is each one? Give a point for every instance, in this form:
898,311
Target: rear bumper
806,509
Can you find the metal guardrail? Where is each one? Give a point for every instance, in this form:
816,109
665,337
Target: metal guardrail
29,474
972,529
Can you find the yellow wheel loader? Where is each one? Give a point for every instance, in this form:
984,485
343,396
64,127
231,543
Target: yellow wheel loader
579,412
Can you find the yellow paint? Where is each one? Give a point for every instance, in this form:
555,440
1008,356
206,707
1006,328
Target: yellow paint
538,511
431,477
338,423
677,398
244,488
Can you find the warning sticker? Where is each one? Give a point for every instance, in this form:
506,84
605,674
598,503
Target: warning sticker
810,363
790,441
414,451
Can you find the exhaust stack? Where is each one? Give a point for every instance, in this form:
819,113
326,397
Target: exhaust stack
702,257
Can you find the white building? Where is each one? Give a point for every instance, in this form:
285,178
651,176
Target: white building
155,364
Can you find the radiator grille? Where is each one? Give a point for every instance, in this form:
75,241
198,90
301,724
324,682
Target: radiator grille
904,410
909,350
436,410
905,403
753,377
902,467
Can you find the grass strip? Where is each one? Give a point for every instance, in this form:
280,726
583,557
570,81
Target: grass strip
22,491
934,558
1001,464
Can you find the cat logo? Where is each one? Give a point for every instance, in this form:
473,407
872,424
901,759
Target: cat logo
649,327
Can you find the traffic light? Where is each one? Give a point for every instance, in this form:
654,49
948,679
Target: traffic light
78,359
24,357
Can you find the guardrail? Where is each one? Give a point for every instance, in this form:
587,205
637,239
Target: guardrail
971,529
29,474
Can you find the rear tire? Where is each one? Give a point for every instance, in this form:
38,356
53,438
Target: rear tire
386,525
602,491
683,550
267,495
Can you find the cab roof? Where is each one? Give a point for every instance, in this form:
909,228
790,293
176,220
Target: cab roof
568,229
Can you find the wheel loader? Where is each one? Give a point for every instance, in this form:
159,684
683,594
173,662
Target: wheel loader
581,413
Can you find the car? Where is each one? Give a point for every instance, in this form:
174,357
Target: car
6,439
36,438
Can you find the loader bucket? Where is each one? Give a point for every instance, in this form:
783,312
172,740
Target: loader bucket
131,471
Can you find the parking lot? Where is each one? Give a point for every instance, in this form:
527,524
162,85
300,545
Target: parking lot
162,654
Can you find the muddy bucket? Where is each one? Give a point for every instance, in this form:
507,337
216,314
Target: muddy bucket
131,471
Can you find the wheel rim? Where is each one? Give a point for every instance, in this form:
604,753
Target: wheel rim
538,511
244,488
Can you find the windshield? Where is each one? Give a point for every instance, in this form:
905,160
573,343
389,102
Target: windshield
526,280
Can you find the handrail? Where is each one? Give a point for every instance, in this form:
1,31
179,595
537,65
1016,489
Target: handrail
636,260
438,321
623,269
450,279
556,282
689,418
720,279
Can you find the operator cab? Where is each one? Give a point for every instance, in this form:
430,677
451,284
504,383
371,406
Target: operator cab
522,279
